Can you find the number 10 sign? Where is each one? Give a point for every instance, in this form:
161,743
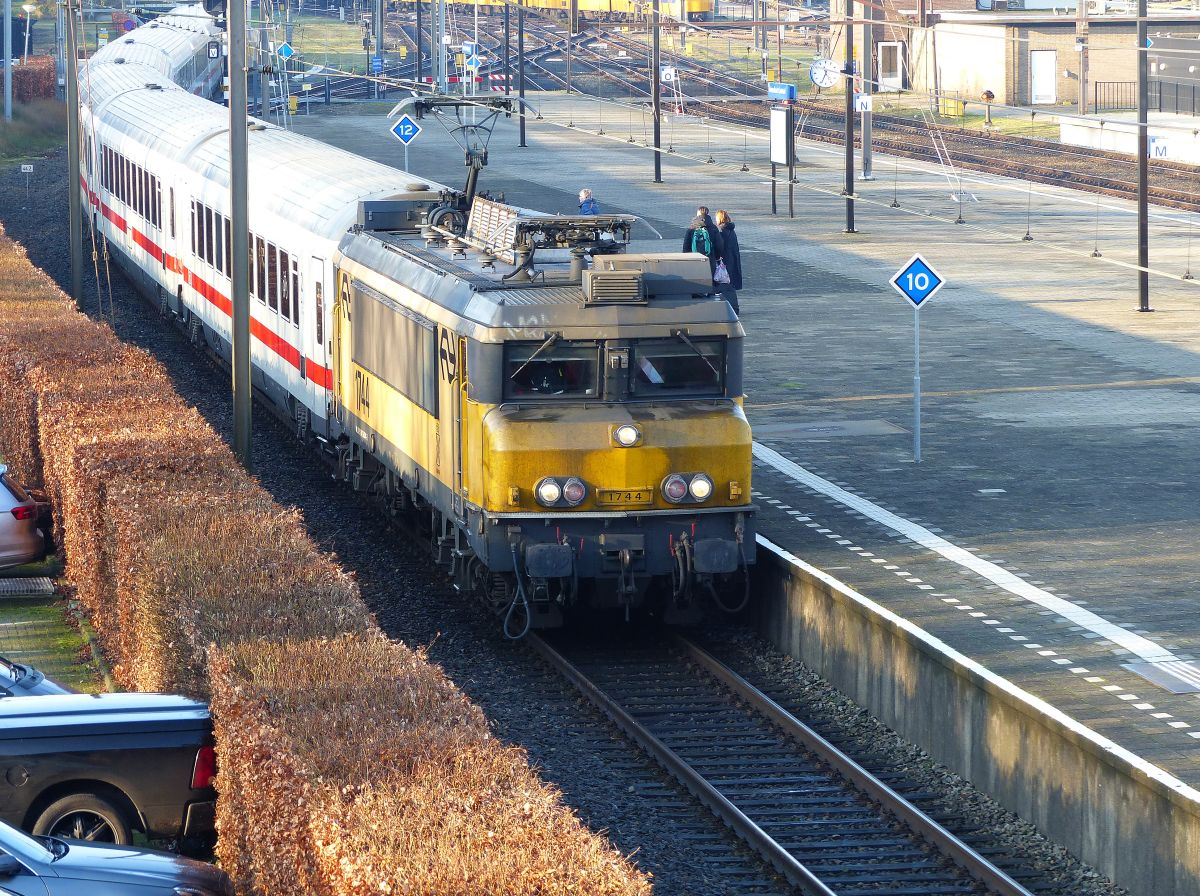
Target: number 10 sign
917,281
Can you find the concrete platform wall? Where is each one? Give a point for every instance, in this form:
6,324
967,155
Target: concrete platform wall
1126,818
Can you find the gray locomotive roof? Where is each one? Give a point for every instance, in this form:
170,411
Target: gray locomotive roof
484,298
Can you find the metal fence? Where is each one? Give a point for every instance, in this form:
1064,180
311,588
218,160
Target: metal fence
1165,96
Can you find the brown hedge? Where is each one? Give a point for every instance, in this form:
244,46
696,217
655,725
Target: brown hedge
402,788
349,764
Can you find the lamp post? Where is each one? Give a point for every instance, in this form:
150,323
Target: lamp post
29,11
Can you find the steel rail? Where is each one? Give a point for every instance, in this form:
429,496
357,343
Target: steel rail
947,843
714,800
950,846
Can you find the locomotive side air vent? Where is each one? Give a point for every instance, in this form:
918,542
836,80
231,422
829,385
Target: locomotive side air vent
613,288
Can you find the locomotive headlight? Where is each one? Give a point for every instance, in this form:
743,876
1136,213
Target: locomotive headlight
574,491
674,488
548,492
627,435
701,487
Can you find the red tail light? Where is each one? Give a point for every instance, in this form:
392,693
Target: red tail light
25,513
206,768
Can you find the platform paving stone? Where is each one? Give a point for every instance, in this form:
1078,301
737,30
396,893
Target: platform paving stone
1059,434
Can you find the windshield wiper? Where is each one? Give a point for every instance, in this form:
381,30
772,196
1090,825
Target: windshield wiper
550,340
699,354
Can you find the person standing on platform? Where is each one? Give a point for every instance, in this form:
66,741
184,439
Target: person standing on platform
703,237
731,255
587,204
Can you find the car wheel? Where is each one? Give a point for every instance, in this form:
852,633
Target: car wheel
84,816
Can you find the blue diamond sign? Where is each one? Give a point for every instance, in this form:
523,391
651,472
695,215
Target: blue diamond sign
917,281
406,130
285,51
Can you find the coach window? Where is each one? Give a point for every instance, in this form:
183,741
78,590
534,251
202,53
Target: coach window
285,291
200,249
295,291
137,191
219,251
171,194
260,252
194,227
272,276
209,236
319,294
202,238
156,204
228,248
551,369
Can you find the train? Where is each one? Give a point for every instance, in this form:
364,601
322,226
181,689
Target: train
562,417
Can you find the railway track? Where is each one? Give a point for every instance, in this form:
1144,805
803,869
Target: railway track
822,820
1106,173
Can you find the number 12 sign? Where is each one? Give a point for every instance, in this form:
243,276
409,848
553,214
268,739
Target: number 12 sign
917,281
406,130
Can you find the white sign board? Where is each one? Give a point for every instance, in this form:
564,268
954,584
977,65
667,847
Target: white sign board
668,74
863,102
781,137
27,169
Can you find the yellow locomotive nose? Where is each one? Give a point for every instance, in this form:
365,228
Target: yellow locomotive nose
705,443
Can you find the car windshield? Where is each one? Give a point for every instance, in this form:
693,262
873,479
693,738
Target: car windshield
551,369
678,366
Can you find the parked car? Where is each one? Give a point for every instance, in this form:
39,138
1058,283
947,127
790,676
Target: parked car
51,866
20,680
21,541
99,767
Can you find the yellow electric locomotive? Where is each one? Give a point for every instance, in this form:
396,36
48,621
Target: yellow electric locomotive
566,415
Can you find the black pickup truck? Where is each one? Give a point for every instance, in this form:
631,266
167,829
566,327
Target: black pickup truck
99,767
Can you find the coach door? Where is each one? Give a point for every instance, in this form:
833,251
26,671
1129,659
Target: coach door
320,375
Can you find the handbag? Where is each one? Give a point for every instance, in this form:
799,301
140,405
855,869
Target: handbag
721,274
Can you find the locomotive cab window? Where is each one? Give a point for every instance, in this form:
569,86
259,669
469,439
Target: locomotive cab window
678,366
551,369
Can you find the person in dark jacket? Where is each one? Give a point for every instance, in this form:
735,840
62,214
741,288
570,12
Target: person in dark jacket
731,254
708,243
587,203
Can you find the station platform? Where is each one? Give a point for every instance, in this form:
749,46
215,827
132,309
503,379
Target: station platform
1051,531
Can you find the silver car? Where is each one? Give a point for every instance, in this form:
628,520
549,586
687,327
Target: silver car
20,539
52,866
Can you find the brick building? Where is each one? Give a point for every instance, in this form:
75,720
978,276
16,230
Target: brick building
1024,57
